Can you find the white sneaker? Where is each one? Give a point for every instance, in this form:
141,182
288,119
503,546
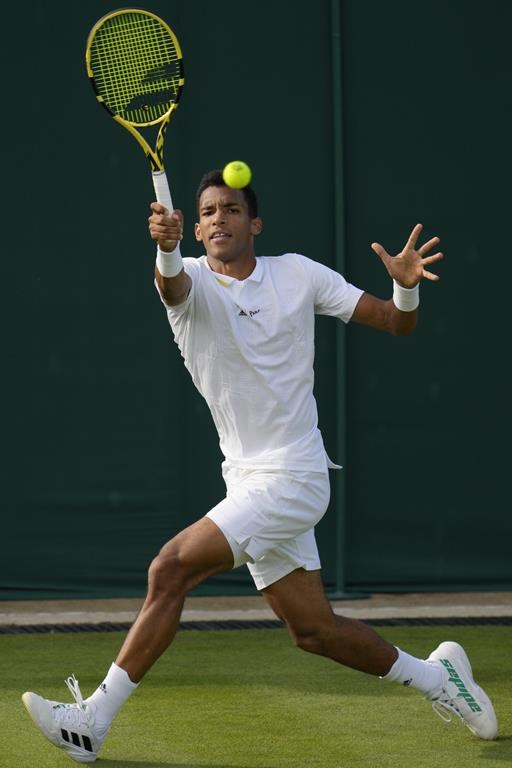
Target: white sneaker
460,694
68,726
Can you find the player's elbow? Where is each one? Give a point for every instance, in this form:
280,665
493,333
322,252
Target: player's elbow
173,290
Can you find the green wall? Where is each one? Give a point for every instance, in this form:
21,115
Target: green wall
427,114
99,468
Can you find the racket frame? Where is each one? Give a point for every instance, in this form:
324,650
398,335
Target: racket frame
154,155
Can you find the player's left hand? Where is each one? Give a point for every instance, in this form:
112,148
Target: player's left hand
408,266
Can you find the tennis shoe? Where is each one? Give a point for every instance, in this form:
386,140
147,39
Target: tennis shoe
460,695
69,727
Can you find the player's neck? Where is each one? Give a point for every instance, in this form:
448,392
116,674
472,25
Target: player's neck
239,268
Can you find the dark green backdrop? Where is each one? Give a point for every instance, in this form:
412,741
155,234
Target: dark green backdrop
359,118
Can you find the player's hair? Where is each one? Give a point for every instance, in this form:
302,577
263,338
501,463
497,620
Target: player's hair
214,179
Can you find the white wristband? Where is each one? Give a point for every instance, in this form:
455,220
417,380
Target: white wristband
169,264
406,299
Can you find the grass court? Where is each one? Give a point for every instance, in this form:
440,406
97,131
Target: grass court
249,699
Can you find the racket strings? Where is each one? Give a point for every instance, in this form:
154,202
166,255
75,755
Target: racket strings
137,68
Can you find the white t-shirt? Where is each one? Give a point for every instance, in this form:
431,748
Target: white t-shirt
249,347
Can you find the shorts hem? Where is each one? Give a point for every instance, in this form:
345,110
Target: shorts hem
240,555
262,582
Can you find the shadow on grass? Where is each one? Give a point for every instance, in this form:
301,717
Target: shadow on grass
501,749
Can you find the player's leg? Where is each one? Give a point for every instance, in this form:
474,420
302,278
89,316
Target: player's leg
299,600
185,561
445,677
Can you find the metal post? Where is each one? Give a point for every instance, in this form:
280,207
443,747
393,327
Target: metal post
339,250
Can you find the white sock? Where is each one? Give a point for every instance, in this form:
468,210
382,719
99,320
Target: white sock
111,695
422,675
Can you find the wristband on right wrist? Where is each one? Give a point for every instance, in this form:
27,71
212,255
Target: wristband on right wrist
169,264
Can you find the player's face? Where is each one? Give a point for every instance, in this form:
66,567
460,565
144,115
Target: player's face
224,225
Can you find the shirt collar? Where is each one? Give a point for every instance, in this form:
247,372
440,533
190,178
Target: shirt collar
255,276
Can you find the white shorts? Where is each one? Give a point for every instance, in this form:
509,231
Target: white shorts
268,518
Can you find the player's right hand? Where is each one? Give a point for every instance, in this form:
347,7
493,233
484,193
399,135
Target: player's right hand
166,229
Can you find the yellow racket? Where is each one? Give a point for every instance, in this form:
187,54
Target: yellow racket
135,65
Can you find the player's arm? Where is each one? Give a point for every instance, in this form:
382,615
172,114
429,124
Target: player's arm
399,315
167,231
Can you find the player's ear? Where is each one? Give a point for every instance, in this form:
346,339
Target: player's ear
197,232
256,226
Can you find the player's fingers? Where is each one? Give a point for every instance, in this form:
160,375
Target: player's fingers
163,217
432,259
380,251
430,275
413,237
158,208
426,247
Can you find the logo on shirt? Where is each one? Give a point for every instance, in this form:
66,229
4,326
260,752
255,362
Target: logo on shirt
250,313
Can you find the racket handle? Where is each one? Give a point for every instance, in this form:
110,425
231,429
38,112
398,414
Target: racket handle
162,191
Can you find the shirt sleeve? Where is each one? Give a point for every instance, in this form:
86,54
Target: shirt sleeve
332,294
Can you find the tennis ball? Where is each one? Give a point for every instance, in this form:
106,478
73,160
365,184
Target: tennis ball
237,174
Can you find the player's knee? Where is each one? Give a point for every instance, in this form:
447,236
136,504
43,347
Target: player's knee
167,573
310,640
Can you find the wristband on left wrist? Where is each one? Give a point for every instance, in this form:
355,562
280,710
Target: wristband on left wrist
406,299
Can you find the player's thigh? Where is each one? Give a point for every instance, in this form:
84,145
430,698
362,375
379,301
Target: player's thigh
199,551
300,601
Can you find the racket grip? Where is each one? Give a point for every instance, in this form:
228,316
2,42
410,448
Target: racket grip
163,196
162,191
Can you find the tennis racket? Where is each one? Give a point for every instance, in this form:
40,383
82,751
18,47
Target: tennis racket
135,65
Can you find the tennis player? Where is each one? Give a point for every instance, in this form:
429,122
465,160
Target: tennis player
245,328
